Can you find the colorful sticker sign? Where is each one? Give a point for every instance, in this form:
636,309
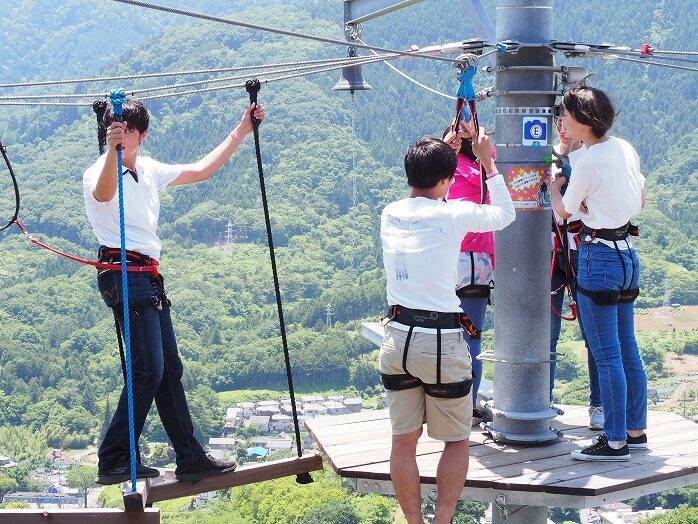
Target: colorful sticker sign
528,187
534,131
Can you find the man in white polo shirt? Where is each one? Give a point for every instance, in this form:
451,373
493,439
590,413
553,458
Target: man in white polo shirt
424,359
157,368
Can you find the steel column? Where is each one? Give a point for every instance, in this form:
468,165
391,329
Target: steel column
520,406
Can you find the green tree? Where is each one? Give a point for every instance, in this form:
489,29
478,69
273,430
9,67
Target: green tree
363,372
82,478
468,512
331,512
7,484
680,515
564,515
374,509
158,455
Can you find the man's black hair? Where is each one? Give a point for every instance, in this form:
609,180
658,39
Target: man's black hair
133,112
591,107
428,161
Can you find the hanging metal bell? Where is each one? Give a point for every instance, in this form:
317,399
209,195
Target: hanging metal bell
351,79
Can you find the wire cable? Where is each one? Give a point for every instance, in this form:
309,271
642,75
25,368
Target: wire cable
406,76
343,43
647,62
365,60
261,81
112,79
133,92
668,52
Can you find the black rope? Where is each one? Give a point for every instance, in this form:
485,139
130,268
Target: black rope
14,183
100,108
253,87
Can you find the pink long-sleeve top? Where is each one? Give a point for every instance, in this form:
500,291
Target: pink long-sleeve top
467,186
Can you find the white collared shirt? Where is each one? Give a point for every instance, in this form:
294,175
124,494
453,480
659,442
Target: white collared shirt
141,205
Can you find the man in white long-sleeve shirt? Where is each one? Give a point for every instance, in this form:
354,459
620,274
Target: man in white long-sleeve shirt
424,359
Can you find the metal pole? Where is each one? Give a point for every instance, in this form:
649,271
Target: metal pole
520,407
519,514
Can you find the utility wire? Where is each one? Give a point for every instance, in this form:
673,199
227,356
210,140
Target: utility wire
173,73
364,60
261,81
315,38
133,92
667,52
647,62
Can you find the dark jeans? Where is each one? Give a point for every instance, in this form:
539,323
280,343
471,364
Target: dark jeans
475,309
610,330
157,372
556,281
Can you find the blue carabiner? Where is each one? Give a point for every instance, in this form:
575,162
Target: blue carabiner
466,90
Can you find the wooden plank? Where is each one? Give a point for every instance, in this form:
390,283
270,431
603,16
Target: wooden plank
241,476
74,516
629,477
136,500
351,418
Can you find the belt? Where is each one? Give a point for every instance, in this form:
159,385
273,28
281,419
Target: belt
426,319
113,256
575,226
135,261
619,233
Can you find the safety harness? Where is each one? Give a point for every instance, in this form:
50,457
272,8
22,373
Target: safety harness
466,110
620,296
433,320
474,290
562,260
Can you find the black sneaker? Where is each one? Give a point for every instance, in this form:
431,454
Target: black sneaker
122,473
637,442
479,416
632,442
205,466
600,451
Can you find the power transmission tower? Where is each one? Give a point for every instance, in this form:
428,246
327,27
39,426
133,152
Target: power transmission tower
229,233
328,313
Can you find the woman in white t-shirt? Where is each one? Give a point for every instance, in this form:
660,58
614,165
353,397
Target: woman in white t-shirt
563,272
608,184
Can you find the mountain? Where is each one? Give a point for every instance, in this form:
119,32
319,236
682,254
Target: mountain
58,357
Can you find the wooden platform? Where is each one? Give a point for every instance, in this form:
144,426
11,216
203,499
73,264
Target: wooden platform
358,447
247,474
78,516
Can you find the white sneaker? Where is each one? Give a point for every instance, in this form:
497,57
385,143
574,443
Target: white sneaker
596,418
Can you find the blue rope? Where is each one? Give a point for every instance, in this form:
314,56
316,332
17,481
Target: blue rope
117,98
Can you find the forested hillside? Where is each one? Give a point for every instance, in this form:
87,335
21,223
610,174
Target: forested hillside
59,368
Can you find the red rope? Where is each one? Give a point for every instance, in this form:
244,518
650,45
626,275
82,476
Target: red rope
553,263
100,265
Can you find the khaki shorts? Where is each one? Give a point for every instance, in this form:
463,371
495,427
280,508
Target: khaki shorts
447,419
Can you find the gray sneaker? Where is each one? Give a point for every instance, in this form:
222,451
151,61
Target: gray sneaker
596,418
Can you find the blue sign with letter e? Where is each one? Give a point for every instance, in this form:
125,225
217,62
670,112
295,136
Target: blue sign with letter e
534,130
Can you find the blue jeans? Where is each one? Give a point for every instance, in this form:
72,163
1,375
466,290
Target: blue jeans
475,309
610,331
157,372
557,280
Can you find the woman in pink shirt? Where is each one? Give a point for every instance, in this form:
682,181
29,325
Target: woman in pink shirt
476,260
